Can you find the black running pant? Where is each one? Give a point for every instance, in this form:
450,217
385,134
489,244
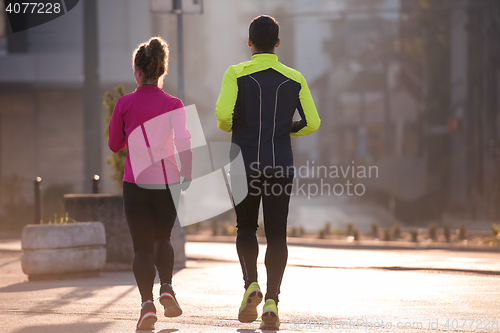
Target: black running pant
150,216
275,195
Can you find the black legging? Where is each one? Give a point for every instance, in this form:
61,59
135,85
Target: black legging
150,216
275,209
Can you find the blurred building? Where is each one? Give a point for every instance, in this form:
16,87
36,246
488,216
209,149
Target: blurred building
411,89
42,79
360,90
450,64
41,82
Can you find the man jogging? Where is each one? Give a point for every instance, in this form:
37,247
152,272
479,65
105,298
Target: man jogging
257,102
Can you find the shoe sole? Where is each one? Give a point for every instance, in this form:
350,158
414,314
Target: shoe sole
249,311
269,321
147,322
172,308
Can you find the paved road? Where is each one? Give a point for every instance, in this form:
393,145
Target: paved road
346,290
304,256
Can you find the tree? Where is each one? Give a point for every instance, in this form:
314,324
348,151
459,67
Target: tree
116,160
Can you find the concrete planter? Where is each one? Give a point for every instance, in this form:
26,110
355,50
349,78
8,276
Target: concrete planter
108,208
63,250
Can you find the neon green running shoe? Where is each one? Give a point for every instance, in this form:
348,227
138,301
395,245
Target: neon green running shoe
248,308
270,319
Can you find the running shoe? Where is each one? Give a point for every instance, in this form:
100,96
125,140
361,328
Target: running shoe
248,308
169,302
148,317
270,319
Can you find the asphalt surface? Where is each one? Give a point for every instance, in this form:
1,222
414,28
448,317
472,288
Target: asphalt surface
324,290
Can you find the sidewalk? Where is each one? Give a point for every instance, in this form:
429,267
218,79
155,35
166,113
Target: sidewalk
10,245
15,244
351,258
341,287
358,245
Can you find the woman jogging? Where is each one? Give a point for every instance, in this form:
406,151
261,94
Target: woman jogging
149,122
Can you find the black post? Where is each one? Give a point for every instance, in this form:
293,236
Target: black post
180,49
92,100
96,186
38,201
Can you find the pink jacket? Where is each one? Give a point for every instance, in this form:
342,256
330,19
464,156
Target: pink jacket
150,121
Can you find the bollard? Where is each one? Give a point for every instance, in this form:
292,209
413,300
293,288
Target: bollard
38,203
95,184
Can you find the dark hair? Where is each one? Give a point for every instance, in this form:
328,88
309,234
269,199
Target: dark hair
263,32
151,58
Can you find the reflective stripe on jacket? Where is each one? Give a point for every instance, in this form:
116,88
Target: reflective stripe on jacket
257,102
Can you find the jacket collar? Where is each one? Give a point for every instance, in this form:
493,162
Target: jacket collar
264,56
147,87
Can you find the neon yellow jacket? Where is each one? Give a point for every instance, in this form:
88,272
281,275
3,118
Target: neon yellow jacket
257,102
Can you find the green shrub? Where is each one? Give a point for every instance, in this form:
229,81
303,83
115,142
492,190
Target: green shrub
387,234
327,228
433,231
296,232
321,234
349,229
414,234
64,219
116,160
462,232
396,231
447,233
355,234
215,227
375,228
495,229
325,231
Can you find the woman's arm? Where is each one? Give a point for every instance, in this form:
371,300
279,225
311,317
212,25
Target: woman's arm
182,140
116,141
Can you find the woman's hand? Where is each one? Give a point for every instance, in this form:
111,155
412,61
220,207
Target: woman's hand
185,183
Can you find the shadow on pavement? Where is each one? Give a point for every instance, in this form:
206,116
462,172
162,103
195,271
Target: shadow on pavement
37,286
170,330
8,262
77,289
76,327
100,282
104,280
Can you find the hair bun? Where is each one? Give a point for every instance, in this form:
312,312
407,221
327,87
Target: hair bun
155,42
155,47
153,60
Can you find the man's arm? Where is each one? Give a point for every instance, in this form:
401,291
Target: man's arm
309,122
227,99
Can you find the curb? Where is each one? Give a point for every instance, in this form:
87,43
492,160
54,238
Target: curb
337,244
384,268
